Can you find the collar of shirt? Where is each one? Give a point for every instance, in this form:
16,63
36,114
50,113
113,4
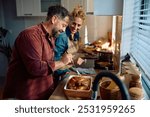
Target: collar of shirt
45,32
49,38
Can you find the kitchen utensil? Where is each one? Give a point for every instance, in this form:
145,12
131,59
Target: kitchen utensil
76,68
74,65
109,90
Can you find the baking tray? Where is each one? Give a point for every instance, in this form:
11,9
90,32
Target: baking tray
78,93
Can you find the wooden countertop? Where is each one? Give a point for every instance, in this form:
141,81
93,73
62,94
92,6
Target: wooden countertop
58,94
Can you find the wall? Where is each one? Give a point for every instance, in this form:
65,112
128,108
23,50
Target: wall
103,25
14,24
97,27
3,59
2,23
108,7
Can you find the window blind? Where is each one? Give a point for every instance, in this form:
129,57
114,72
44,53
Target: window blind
140,40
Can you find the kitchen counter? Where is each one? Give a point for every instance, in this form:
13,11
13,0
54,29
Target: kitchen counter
59,94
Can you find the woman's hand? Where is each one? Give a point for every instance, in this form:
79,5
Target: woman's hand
67,58
80,61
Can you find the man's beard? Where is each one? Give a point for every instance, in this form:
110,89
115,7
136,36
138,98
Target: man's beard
55,33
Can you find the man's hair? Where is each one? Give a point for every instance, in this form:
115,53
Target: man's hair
58,10
78,12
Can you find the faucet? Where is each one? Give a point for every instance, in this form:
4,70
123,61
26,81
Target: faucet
121,85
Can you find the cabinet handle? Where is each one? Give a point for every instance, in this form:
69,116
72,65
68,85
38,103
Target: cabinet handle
28,14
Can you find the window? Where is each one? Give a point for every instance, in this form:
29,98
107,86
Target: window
138,26
140,43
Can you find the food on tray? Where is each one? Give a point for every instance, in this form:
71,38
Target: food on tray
98,49
89,49
97,43
79,83
78,86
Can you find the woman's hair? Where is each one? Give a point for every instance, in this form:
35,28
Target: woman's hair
58,10
78,12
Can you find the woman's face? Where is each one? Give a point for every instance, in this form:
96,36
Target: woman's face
75,25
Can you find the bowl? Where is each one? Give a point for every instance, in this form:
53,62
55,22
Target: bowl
107,93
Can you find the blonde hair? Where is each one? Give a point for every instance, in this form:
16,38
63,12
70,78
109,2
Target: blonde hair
78,12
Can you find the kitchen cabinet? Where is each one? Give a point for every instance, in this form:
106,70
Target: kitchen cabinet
39,7
34,7
89,6
27,7
71,4
108,7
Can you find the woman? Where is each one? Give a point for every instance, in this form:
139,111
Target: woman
68,41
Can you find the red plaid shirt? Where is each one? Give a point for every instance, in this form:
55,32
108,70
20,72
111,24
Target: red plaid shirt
30,71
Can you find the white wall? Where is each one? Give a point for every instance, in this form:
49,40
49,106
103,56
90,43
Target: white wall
97,26
103,25
108,7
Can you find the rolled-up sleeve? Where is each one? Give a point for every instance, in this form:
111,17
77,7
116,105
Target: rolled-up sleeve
51,65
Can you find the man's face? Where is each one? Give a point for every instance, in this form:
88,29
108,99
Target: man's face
75,25
60,26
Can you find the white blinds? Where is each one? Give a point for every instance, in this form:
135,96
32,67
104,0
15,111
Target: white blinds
140,43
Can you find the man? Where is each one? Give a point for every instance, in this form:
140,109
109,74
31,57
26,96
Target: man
30,72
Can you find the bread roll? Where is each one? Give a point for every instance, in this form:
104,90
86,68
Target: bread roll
136,93
135,84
